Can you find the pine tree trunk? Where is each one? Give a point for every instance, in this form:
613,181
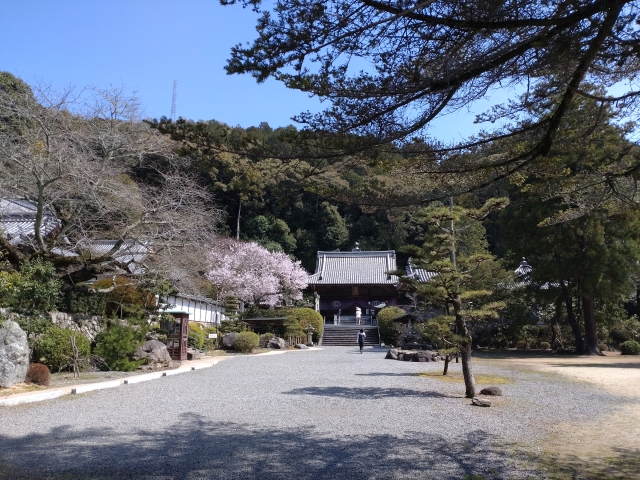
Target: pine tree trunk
446,365
465,353
573,322
590,331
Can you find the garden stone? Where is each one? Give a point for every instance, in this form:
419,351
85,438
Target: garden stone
480,402
493,391
392,354
301,346
277,342
14,354
154,352
424,356
227,340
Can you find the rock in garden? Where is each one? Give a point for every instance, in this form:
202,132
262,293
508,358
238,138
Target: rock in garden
309,344
14,354
154,352
493,391
480,402
227,339
301,346
277,343
392,354
424,356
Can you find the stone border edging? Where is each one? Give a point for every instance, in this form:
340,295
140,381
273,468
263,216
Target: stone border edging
31,397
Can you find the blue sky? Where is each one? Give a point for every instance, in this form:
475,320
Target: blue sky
145,45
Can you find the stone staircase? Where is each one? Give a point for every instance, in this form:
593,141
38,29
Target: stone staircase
347,335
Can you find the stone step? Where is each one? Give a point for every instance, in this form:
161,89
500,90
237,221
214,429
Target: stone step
347,336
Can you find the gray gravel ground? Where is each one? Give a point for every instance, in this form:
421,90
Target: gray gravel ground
329,413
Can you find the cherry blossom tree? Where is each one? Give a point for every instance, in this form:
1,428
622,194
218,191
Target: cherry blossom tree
253,274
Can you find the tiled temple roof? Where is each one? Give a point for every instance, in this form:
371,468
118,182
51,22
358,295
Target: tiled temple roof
355,268
18,219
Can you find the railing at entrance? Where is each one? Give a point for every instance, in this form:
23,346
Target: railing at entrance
351,320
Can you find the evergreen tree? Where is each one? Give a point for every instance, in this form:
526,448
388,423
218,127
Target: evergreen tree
452,284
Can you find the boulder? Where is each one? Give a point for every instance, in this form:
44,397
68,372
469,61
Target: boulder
14,354
227,340
309,344
424,356
155,353
492,391
301,346
480,402
277,343
392,354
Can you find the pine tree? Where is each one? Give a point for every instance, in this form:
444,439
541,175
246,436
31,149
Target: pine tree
453,284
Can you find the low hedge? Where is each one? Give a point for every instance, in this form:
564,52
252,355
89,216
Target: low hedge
245,342
630,347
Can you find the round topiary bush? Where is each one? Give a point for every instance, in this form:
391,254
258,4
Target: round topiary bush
38,374
388,332
603,347
308,317
630,347
55,348
245,342
545,345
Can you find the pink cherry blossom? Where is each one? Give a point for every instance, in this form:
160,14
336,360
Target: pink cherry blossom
253,274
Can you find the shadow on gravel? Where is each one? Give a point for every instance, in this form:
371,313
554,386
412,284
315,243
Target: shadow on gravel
196,449
363,393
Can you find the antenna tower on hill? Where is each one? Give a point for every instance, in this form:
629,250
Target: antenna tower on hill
173,100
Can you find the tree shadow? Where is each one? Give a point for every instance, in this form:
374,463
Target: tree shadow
364,393
193,447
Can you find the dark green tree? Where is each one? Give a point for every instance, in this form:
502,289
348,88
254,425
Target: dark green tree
431,58
332,229
453,285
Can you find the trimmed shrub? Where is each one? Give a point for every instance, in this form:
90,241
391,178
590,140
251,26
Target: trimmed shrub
292,328
55,350
196,336
38,374
245,342
545,345
630,347
388,331
265,338
603,347
521,345
117,344
308,317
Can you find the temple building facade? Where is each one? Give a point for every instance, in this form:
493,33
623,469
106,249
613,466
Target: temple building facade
345,282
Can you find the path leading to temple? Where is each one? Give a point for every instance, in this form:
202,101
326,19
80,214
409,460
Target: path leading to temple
312,414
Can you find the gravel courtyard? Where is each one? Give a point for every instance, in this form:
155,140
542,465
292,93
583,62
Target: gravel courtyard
315,414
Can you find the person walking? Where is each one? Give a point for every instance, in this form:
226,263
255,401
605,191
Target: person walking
361,337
